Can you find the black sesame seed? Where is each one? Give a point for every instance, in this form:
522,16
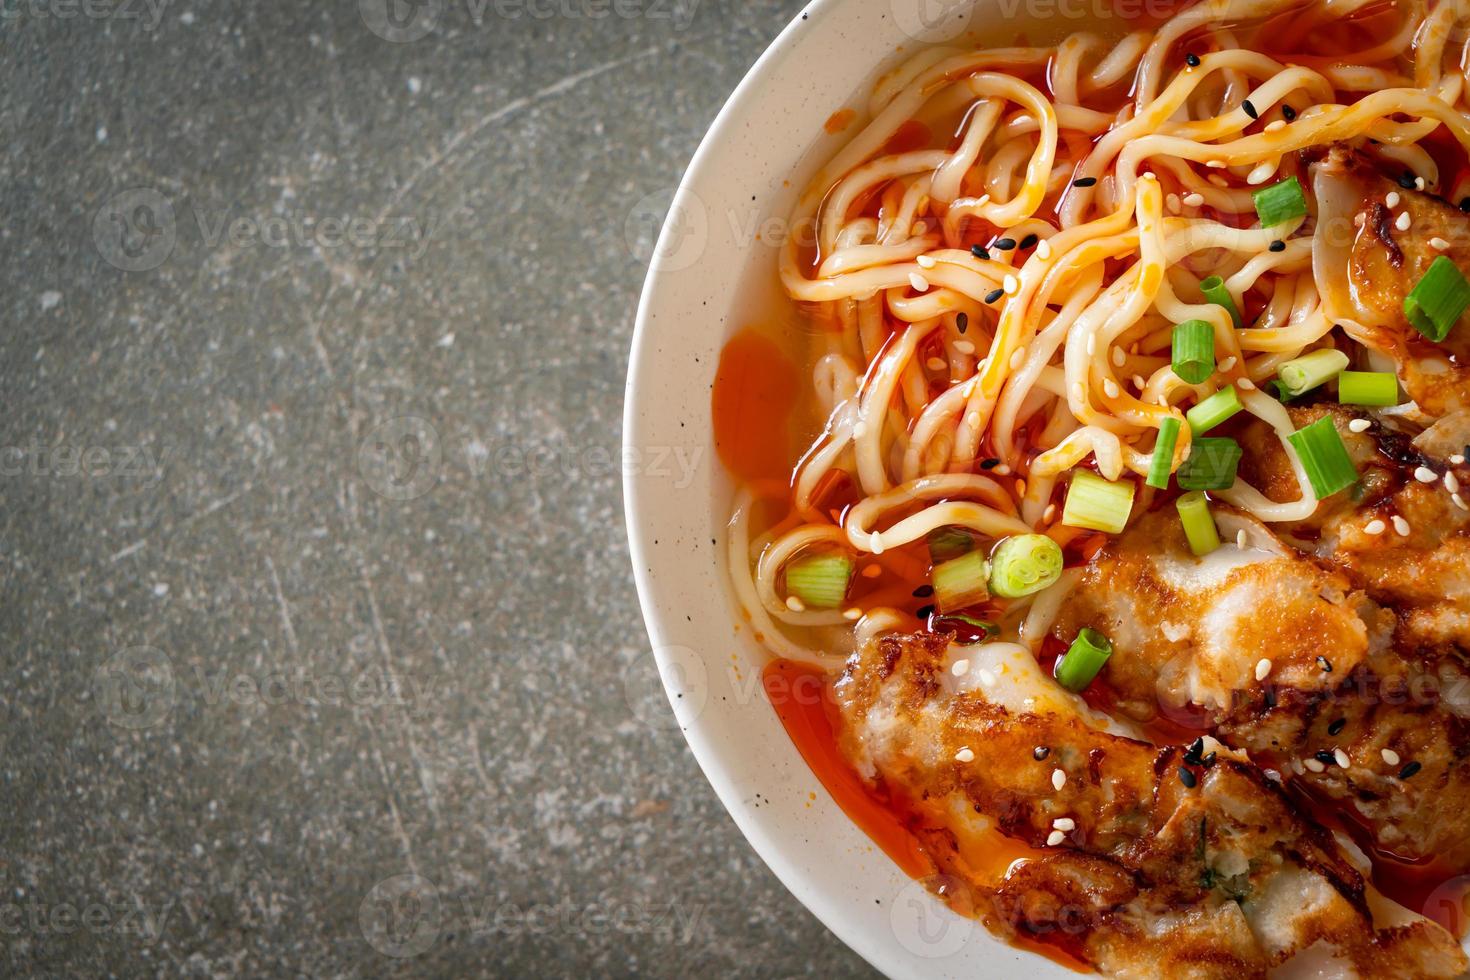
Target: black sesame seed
1406,180
924,612
1195,750
1250,110
1029,241
1270,698
1040,752
923,592
1288,113
1089,181
1326,758
1409,770
1336,726
1192,60
980,251
1277,246
1325,664
994,295
1208,760
989,464
1188,778
1004,244
962,322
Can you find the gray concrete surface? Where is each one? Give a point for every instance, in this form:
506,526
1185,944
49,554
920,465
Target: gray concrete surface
316,601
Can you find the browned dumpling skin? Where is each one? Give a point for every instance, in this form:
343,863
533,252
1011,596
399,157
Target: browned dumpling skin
1166,863
1365,269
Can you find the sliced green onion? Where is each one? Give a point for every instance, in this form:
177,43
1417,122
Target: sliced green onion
1023,564
1279,392
949,542
961,582
1376,388
1097,504
986,625
1324,457
1304,373
1083,660
1161,465
1211,464
1215,291
1199,523
1435,303
820,581
1280,203
1194,350
1214,410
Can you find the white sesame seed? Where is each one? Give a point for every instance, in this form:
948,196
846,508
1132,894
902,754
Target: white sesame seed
1274,125
1296,766
1011,285
1313,765
1049,513
1359,425
1018,357
1261,173
1390,756
937,363
1400,526
875,543
1403,221
1194,200
964,347
1246,384
1341,758
964,755
1172,202
1215,164
1002,470
1091,344
1359,219
1064,823
1425,475
1058,779
1392,199
1110,388
1263,667
926,262
986,677
1439,244
1043,249
1240,539
1451,482
973,420
960,668
1228,363
853,614
1118,357
1138,382
1459,501
1419,184
1457,460
1054,838
919,283
1375,526
795,604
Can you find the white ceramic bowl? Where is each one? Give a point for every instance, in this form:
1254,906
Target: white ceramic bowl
712,272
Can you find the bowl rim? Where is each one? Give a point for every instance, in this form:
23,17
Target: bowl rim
827,908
